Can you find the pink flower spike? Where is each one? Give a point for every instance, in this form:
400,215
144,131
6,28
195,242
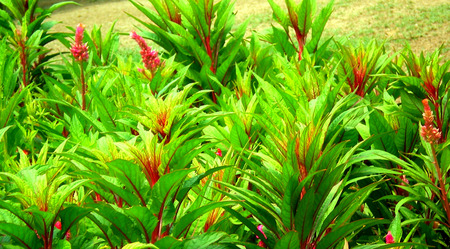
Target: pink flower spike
58,225
149,56
79,50
219,152
141,42
428,132
389,238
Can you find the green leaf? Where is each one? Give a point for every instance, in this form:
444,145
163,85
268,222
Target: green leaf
22,235
288,241
63,244
169,242
216,240
379,125
167,182
279,14
3,131
247,223
411,105
71,215
375,155
337,234
396,228
121,224
15,210
132,177
187,219
407,135
139,245
318,26
305,16
290,200
145,219
238,137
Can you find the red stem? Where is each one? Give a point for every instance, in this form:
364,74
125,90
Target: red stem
300,40
441,181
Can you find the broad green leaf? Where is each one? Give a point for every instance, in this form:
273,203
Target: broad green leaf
121,224
132,177
412,105
339,233
318,26
375,155
3,131
71,215
379,125
185,221
288,241
247,223
145,219
217,240
238,137
396,228
168,182
63,244
139,245
305,14
407,135
22,235
169,242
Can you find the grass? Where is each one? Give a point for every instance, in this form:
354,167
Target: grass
425,24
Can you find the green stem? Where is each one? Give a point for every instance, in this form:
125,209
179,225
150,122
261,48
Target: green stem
83,88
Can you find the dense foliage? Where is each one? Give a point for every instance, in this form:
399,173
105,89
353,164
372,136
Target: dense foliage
218,138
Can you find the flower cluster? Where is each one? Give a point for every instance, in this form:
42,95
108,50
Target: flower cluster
79,50
149,56
428,132
389,238
261,243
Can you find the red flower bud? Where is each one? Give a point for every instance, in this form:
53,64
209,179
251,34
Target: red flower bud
219,152
389,238
58,225
261,243
149,56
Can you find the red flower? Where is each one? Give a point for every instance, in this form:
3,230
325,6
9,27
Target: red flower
389,238
58,225
261,243
219,152
149,56
79,50
428,132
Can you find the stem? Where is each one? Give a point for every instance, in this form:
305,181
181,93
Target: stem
83,88
441,181
23,61
301,41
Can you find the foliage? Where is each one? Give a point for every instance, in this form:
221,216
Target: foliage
220,141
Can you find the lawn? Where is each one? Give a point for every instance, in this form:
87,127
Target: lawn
425,24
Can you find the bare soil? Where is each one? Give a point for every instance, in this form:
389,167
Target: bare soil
395,21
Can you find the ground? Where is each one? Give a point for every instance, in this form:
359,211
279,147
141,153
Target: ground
425,24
